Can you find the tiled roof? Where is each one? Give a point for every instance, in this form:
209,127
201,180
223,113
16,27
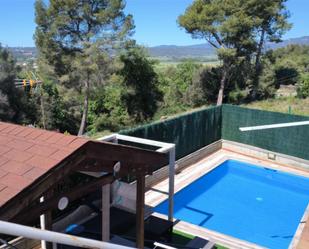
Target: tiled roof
27,153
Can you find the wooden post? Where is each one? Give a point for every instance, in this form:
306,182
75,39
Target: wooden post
140,210
46,223
106,212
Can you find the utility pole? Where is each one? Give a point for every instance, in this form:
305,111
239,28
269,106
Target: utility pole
41,102
34,81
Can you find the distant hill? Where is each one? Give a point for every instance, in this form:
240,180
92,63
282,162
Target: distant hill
205,50
23,54
300,41
171,52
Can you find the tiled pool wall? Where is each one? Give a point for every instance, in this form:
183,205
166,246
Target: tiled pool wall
239,148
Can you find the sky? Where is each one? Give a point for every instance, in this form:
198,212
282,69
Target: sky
155,21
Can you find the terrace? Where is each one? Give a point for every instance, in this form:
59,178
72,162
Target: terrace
208,138
204,141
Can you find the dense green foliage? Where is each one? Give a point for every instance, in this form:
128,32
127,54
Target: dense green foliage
238,30
96,79
303,89
14,106
285,66
75,38
141,81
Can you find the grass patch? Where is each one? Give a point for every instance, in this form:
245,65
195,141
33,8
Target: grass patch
220,247
290,105
165,64
100,134
181,238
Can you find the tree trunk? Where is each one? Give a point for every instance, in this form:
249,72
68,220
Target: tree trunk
85,109
259,53
222,85
257,72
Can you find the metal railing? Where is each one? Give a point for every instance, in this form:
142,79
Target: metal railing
54,237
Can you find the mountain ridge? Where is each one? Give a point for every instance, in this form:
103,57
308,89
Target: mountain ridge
201,51
206,50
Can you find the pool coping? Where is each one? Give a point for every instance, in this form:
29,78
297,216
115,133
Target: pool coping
297,236
211,235
194,171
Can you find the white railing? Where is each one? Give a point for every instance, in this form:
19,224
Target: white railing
273,126
54,237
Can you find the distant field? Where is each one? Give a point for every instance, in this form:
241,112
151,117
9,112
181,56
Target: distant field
165,61
297,106
163,64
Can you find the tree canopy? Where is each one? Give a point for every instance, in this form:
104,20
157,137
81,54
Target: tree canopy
233,28
77,39
141,81
13,103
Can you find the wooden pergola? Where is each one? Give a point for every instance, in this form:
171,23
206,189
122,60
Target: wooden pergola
92,156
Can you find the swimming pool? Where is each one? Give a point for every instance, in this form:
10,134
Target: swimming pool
248,202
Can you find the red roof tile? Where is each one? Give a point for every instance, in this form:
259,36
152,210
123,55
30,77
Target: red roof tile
66,140
4,149
14,181
34,173
2,186
3,173
25,132
60,154
34,134
16,167
19,144
27,153
42,150
18,155
9,128
55,138
17,130
4,140
3,161
76,143
42,162
6,194
45,136
3,126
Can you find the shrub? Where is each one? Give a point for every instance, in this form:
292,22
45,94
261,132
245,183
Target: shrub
303,87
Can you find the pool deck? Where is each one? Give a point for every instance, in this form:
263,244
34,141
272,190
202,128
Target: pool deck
159,193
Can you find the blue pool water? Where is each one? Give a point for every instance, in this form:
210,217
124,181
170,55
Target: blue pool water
252,203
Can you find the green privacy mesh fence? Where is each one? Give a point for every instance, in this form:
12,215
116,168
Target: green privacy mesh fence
292,141
193,131
189,132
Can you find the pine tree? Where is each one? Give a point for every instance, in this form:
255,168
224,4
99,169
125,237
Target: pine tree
238,30
77,38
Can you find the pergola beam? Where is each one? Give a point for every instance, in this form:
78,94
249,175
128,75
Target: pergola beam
128,154
32,212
